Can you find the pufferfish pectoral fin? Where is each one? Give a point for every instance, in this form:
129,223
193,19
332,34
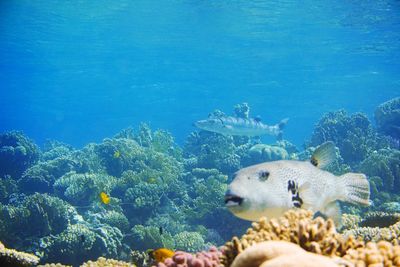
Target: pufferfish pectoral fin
324,155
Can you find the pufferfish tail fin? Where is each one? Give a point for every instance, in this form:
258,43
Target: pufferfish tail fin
354,188
324,155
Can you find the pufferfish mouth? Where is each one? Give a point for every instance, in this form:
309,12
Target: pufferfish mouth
232,200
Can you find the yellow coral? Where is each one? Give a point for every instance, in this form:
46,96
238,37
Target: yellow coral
13,258
318,236
296,226
103,262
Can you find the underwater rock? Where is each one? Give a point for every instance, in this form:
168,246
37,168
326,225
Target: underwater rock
352,134
387,117
385,164
13,258
17,153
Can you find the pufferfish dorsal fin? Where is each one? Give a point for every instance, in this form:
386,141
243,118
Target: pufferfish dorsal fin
324,155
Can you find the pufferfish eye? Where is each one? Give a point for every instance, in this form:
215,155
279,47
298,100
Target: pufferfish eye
263,175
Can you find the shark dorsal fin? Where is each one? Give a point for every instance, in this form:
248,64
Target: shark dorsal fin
324,155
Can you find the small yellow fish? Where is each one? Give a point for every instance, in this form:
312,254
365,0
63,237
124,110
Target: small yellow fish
161,254
105,199
117,154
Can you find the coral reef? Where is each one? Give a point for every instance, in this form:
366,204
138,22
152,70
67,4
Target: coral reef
80,242
261,153
280,253
35,216
352,134
314,235
17,153
383,164
182,259
13,258
80,188
41,177
375,226
387,117
103,262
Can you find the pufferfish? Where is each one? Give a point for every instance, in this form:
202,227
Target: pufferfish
269,189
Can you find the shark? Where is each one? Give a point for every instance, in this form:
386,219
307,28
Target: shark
228,125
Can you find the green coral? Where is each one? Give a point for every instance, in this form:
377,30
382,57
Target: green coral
189,241
81,188
214,151
149,237
41,177
37,215
385,164
8,187
17,153
80,242
119,155
352,134
114,219
387,117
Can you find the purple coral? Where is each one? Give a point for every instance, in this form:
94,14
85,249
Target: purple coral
208,258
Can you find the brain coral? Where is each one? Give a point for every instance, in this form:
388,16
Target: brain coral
17,153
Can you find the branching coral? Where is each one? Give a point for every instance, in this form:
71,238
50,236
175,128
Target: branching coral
387,117
103,262
376,226
314,235
13,258
17,153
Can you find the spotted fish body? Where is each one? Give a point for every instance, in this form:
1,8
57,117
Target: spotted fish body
269,189
227,125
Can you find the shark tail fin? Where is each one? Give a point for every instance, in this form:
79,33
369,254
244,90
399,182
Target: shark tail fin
354,188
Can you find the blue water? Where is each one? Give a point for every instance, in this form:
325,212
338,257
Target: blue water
79,71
